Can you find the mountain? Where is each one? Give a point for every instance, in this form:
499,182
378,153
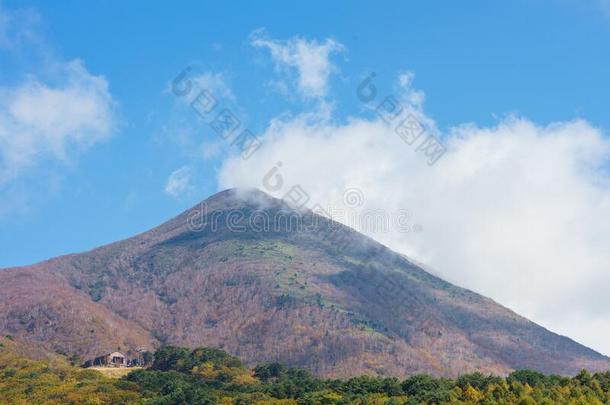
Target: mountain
246,273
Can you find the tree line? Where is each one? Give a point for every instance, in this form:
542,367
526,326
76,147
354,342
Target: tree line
179,375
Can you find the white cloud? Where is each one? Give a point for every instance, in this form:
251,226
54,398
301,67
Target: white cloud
410,96
179,182
309,58
517,212
49,118
38,120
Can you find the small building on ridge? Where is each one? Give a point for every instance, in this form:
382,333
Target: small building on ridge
114,359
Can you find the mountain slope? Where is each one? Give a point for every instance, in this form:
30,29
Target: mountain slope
245,273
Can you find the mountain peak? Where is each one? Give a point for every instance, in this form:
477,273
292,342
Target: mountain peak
241,194
238,198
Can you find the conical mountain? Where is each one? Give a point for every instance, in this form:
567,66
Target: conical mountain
244,272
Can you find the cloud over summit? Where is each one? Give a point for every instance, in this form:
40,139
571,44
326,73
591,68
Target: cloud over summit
517,211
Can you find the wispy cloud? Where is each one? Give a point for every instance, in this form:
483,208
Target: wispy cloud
18,27
51,111
214,82
52,114
179,182
40,120
310,59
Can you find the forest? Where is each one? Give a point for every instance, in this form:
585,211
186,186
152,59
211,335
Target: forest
211,376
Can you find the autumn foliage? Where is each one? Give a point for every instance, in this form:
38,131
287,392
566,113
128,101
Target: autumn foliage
211,376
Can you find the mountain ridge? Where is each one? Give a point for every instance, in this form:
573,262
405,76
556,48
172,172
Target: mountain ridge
287,294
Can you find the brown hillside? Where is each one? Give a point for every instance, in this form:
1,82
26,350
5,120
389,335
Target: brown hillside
310,293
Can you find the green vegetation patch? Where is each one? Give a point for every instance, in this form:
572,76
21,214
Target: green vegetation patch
257,249
211,376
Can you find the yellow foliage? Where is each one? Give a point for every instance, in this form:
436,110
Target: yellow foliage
472,394
244,379
206,370
376,399
24,381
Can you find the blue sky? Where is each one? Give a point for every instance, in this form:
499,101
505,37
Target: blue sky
547,60
479,63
